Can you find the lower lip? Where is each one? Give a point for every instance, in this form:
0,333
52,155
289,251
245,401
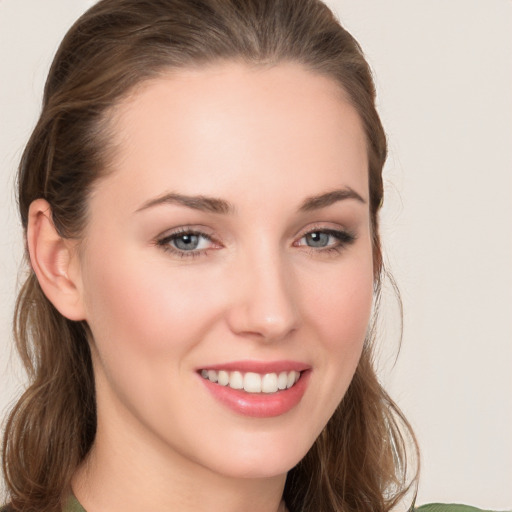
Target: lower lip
260,405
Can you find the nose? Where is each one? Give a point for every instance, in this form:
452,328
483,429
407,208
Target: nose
265,299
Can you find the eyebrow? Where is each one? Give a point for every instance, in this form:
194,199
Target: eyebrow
203,203
216,205
328,198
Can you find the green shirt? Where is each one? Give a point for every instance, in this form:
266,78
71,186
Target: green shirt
438,507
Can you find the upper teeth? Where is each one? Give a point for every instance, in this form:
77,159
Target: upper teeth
253,382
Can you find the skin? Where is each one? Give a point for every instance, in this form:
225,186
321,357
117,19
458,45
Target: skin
264,139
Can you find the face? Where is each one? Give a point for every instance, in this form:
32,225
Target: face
226,269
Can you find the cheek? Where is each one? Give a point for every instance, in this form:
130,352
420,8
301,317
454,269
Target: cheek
342,310
144,307
146,319
342,307
338,312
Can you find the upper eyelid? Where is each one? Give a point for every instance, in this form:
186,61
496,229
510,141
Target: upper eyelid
184,230
325,227
331,231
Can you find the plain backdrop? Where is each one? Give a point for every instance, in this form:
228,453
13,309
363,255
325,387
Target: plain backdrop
444,76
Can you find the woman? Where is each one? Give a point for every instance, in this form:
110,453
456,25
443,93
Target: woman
200,198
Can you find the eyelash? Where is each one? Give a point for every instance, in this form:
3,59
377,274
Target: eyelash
344,239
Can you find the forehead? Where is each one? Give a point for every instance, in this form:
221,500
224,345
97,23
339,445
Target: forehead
199,130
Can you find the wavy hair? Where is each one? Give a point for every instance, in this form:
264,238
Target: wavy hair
359,462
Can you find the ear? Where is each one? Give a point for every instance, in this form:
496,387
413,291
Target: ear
55,262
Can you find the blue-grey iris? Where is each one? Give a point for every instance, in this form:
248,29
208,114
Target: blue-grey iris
317,239
186,242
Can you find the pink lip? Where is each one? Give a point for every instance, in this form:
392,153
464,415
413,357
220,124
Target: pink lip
259,366
260,405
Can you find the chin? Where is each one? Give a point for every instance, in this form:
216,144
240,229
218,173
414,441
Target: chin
257,460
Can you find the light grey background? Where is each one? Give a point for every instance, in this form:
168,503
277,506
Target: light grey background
444,77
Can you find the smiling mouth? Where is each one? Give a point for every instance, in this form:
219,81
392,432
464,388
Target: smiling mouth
252,382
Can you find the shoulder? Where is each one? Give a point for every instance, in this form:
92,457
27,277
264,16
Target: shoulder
444,507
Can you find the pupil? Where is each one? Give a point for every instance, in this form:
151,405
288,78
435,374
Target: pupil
187,242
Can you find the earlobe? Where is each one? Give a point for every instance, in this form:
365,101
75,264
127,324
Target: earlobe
54,261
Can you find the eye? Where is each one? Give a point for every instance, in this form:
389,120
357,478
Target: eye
186,243
326,239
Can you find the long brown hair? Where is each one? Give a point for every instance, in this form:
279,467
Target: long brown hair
359,461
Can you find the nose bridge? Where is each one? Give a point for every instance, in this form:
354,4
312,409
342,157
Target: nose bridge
266,304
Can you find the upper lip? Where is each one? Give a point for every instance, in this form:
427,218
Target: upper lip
258,366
